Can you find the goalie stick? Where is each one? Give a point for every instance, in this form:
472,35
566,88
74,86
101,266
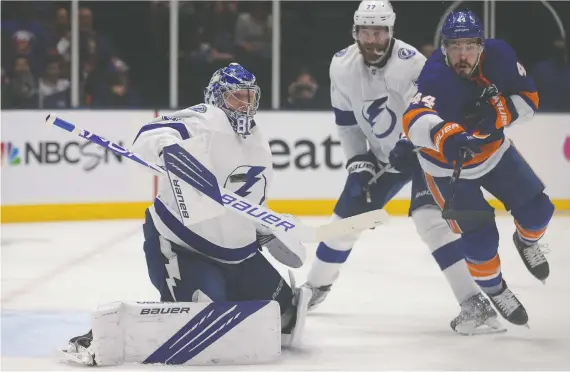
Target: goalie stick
277,222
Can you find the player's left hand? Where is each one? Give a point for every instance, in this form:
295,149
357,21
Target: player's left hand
496,112
403,157
361,169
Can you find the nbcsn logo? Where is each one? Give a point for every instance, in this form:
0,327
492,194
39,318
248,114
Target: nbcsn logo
11,153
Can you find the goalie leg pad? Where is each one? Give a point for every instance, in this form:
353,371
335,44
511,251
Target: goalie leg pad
222,333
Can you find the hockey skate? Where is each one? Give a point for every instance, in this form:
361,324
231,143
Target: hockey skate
477,317
291,336
533,258
78,350
509,306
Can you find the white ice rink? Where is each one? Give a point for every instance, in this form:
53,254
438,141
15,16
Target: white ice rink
390,308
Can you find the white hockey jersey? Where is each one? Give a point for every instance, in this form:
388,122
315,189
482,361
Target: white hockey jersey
227,238
369,102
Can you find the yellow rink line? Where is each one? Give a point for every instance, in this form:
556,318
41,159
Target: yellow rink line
133,210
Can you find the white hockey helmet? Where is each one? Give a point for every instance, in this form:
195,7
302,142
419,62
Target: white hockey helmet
374,13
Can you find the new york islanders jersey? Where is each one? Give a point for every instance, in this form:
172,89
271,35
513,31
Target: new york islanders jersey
369,102
242,165
443,96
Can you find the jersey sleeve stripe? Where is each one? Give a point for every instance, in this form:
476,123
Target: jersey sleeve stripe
344,118
486,152
411,116
179,127
531,98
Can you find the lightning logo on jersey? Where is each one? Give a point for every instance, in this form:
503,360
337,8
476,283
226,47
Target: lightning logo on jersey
253,182
375,108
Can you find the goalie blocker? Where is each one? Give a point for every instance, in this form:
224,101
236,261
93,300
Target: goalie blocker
186,333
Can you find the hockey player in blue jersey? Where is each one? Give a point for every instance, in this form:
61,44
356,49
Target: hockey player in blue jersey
468,92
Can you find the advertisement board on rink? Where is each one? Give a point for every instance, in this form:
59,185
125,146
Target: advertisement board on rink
45,166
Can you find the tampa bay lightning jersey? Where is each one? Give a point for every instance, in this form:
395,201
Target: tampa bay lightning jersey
242,165
369,101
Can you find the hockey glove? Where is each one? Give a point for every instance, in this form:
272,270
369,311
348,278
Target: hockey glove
403,157
496,112
361,169
450,138
290,252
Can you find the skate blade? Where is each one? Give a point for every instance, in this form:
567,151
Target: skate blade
483,331
489,327
76,358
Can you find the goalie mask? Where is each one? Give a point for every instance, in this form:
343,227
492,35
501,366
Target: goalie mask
234,90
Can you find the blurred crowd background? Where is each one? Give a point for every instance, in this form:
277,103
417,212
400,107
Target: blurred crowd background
124,48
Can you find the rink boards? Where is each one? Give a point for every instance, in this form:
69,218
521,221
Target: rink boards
50,175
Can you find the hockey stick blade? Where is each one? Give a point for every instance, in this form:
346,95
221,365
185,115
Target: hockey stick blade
352,225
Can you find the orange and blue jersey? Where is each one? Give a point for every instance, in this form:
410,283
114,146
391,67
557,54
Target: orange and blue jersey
443,96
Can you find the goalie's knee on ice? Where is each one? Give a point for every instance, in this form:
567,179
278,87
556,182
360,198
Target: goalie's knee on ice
187,333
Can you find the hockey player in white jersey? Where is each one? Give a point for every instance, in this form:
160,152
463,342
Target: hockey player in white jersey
372,82
217,259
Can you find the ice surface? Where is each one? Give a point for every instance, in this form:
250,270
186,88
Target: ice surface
390,308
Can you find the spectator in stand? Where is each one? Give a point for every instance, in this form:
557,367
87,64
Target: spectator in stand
253,40
21,90
60,40
219,32
253,31
27,37
304,93
552,78
118,93
87,32
95,55
53,90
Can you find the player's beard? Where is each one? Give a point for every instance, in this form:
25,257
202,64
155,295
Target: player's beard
373,53
463,68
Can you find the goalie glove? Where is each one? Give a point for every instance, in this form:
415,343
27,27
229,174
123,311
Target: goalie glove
283,247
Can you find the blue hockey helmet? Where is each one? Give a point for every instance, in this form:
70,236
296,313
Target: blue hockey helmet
463,24
462,37
234,90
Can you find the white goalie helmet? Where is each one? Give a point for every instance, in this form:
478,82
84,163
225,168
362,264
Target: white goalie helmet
374,13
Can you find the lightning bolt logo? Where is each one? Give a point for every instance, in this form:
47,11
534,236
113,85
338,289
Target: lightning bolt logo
172,268
173,273
252,176
375,109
